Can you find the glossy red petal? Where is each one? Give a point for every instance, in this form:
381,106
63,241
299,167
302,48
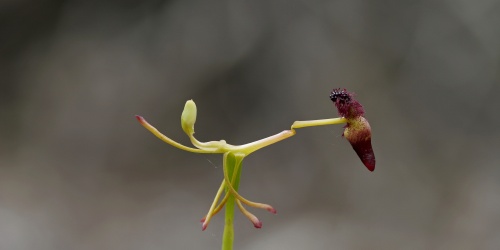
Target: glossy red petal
358,133
365,152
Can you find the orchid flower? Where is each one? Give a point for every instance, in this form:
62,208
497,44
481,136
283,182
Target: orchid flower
357,132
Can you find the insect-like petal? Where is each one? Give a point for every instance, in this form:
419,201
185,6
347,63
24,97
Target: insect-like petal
357,131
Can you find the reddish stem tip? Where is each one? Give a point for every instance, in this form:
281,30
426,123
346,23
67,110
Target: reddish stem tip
272,210
203,219
204,226
257,224
139,118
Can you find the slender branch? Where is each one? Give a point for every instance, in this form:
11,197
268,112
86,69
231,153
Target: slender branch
233,191
256,145
211,213
332,121
226,196
162,137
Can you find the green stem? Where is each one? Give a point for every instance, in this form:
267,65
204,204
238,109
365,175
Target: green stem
228,236
313,123
232,162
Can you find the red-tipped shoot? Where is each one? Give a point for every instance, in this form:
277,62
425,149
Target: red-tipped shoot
140,118
271,209
255,221
258,224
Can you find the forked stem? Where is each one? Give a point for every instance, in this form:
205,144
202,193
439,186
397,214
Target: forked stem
212,212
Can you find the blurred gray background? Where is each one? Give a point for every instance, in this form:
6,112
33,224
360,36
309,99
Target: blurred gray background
78,172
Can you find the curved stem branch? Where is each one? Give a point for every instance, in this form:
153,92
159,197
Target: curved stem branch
162,137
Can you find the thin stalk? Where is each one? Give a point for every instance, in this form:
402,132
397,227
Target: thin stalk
211,213
323,122
228,236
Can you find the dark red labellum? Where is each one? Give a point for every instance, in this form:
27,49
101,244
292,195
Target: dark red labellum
358,130
358,133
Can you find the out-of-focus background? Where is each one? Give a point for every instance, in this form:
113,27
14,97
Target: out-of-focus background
78,172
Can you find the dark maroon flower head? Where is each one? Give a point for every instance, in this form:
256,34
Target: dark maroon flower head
346,105
357,131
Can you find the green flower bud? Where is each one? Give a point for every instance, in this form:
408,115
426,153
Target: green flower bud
188,117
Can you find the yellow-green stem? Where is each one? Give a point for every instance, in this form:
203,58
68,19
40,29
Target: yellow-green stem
228,235
313,123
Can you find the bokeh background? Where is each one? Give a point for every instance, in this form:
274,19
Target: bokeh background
78,172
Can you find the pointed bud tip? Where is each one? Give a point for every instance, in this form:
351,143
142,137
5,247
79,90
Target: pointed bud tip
204,226
365,153
370,165
257,224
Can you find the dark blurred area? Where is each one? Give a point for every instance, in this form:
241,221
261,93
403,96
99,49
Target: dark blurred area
78,172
